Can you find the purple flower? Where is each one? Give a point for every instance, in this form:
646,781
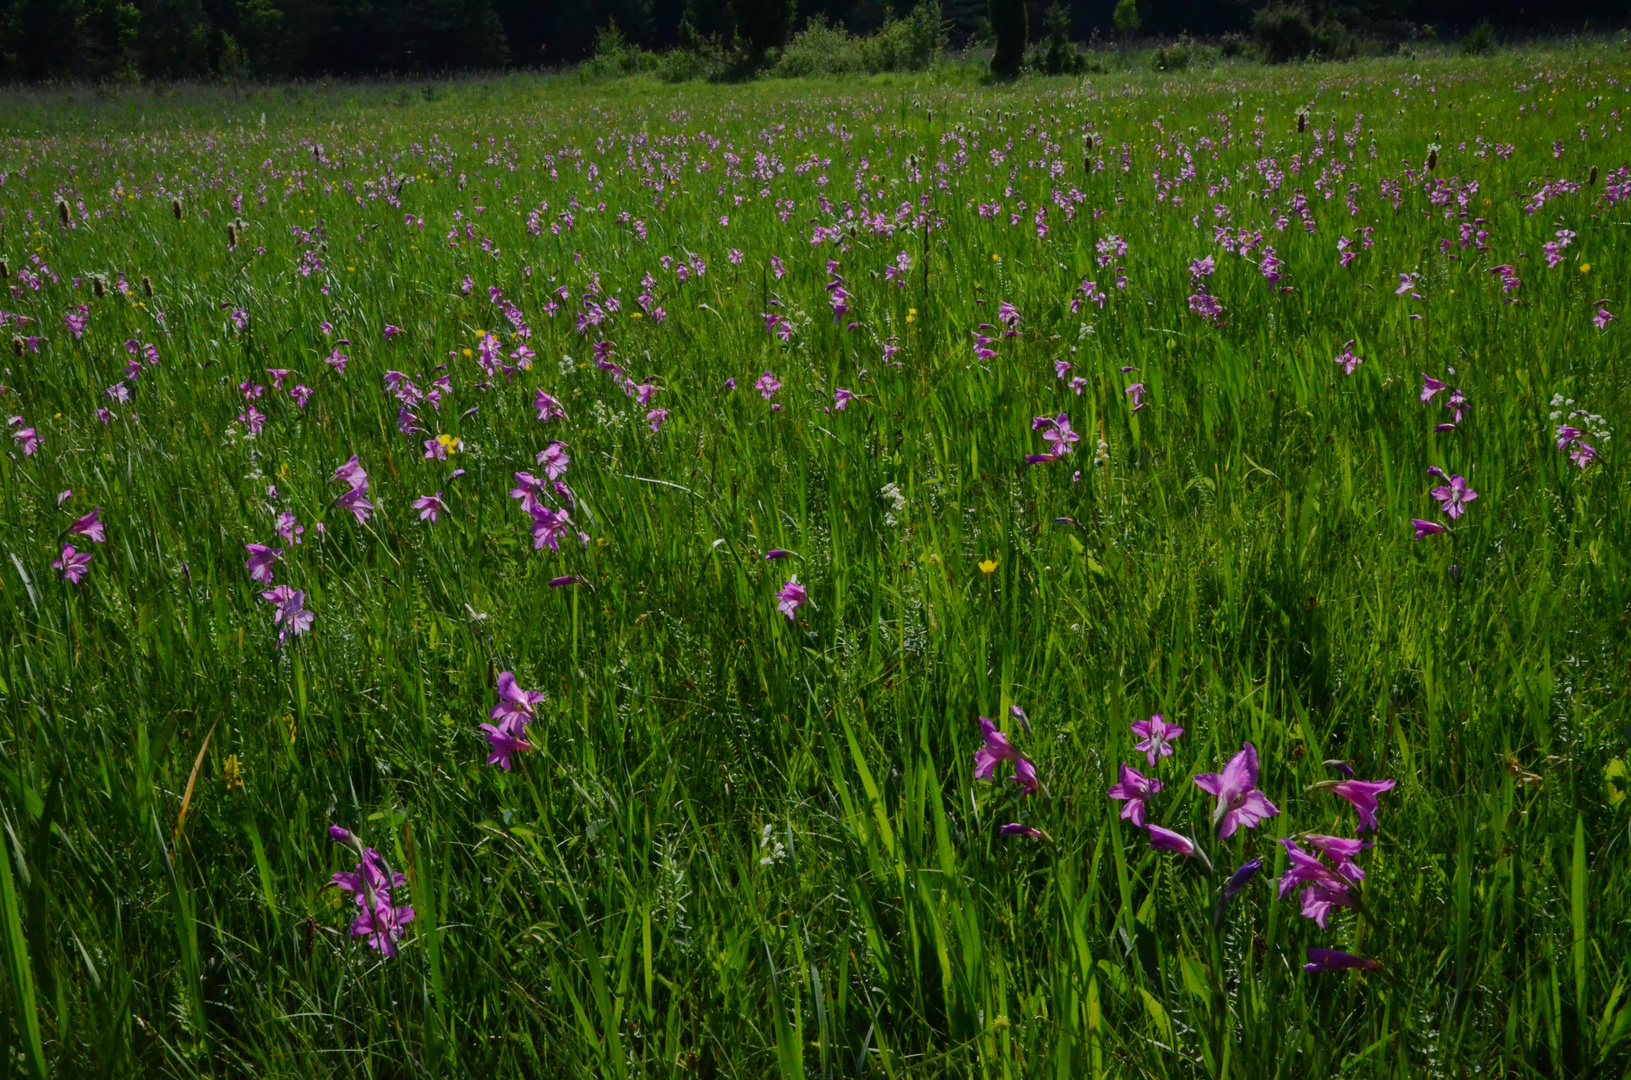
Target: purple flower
777,553
1137,790
548,526
1136,391
1200,268
791,596
1454,496
301,393
1326,889
656,417
379,920
767,386
1167,840
1014,828
1566,435
548,407
391,331
435,449
1157,735
560,582
1342,851
1362,794
1025,776
1431,386
277,375
73,564
841,398
240,319
253,419
554,459
1240,877
259,563
28,439
1348,360
504,744
1058,435
514,709
77,320
996,748
293,616
1427,528
1406,283
289,527
1332,960
429,506
351,474
90,526
1602,318
1583,453
356,501
1238,800
278,595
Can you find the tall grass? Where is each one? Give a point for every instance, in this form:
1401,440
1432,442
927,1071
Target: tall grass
744,846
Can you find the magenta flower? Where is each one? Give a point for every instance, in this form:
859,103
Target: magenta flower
1238,800
259,563
1014,828
554,459
1025,776
391,331
253,419
548,407
1363,795
90,526
435,449
294,617
1431,386
1566,435
301,393
656,417
514,709
1136,391
777,553
1406,283
1454,496
561,582
1602,318
1583,453
28,439
1137,790
77,320
548,526
1333,960
1167,840
503,745
1348,360
351,474
1057,434
791,596
278,595
356,501
1427,528
289,527
1326,889
841,398
996,748
73,564
1157,735
277,375
1342,851
1241,877
379,920
767,386
429,506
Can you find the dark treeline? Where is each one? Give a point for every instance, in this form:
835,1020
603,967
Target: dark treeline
170,39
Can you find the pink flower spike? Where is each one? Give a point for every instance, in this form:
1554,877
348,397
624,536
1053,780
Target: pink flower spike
503,746
90,526
1363,795
1238,800
1431,386
996,748
1137,790
73,564
1157,735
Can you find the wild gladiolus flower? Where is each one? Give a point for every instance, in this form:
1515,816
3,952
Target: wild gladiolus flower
380,920
259,563
1427,528
1157,735
1431,386
90,526
1363,795
554,459
1332,960
289,528
1238,800
561,582
790,597
1167,840
1326,888
503,744
356,501
996,748
429,506
656,418
1137,790
1602,318
1014,828
293,616
73,564
1136,391
548,407
767,385
841,398
1454,496
1241,877
351,474
514,709
1348,360
28,439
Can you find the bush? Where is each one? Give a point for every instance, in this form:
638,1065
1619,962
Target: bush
1126,18
1058,56
1236,44
615,55
1284,31
1174,57
1010,24
909,44
1480,41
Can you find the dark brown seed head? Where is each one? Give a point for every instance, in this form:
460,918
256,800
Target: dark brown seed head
1591,178
175,208
99,286
62,211
232,236
147,285
18,344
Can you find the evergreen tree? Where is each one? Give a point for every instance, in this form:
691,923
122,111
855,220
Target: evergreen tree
763,24
1011,25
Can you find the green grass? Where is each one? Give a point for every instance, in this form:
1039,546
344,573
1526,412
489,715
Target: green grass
744,847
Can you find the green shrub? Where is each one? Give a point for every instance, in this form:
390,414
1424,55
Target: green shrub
909,44
1480,41
1174,57
1236,44
1126,18
1058,56
1284,31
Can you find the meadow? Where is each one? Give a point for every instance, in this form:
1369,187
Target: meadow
504,577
